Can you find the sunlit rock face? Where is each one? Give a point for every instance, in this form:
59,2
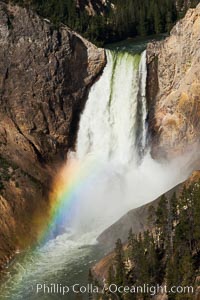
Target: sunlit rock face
174,88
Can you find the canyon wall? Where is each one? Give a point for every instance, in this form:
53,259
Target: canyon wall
174,88
45,76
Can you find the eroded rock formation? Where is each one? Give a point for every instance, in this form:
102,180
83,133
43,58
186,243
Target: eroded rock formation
174,88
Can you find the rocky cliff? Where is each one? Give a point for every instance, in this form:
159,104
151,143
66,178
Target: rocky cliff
45,75
174,88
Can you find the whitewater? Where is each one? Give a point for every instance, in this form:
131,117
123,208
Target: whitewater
113,133
113,136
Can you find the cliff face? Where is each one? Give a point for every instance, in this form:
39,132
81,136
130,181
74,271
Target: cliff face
45,75
174,100
22,209
44,79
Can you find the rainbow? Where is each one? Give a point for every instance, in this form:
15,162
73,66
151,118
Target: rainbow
73,178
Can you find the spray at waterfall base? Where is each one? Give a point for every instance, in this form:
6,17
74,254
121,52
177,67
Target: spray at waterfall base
112,170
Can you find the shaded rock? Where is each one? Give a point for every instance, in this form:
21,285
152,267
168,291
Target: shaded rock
44,79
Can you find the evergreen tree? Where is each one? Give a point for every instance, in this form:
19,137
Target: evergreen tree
90,281
119,263
142,27
129,18
175,259
169,22
157,20
110,279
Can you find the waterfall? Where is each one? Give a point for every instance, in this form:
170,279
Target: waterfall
142,137
113,133
114,171
113,125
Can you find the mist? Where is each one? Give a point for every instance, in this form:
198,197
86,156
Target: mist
113,189
112,151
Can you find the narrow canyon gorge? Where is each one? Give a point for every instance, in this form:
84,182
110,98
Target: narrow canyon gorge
46,75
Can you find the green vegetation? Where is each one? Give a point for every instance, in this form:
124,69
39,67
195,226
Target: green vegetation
1,185
169,254
4,172
128,18
7,172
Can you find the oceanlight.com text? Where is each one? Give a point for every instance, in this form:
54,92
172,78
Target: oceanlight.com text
150,289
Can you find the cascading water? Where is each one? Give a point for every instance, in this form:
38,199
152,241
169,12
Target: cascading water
112,138
113,125
113,134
